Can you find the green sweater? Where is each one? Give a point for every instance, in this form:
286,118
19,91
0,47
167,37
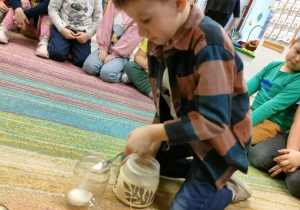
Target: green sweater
277,93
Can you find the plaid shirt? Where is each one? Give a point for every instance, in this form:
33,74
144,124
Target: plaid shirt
209,96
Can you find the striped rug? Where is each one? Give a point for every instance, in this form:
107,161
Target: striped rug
52,113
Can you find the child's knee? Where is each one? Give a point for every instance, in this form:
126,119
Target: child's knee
90,68
108,75
257,157
293,183
57,55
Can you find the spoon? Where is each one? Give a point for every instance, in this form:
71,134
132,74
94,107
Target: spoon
103,164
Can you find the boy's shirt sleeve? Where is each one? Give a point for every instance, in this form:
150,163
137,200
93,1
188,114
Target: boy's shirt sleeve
212,98
104,31
97,15
40,9
127,43
288,96
54,13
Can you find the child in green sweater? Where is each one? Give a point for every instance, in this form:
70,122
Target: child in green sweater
278,88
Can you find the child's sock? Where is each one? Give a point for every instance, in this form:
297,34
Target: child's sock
3,35
42,49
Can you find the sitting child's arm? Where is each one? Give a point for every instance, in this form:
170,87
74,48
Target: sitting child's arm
20,18
141,59
40,9
289,161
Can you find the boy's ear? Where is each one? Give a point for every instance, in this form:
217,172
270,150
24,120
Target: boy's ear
292,43
180,5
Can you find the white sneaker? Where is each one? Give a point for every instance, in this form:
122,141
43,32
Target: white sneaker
42,50
125,79
241,191
3,36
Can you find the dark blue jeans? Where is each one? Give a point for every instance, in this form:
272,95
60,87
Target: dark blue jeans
198,191
261,156
60,48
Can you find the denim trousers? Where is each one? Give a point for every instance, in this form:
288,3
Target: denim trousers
261,156
108,72
197,192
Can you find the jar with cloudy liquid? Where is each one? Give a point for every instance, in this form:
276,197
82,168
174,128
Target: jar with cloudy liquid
137,181
88,183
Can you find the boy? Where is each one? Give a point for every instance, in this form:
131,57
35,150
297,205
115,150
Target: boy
75,22
278,88
201,100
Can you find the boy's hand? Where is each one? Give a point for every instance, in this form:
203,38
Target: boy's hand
109,58
289,161
67,33
3,7
20,18
139,141
102,55
275,170
82,37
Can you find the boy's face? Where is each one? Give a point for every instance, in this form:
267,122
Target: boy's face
292,58
156,19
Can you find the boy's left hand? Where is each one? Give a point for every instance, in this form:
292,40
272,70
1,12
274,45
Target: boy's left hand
82,37
289,161
139,141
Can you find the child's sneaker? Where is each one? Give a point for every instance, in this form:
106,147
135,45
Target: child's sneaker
3,35
240,190
42,50
125,78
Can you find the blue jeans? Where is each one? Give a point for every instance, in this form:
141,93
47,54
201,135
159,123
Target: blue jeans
261,156
109,72
60,48
197,192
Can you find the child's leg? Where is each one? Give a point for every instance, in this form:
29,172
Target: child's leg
43,34
92,65
59,46
293,183
111,71
80,52
138,77
264,130
198,192
261,155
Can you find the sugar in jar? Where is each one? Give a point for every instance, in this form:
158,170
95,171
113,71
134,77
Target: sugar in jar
137,181
88,183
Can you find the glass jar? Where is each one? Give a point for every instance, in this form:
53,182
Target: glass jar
88,183
137,181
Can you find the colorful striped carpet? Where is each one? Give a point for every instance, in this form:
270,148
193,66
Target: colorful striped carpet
52,113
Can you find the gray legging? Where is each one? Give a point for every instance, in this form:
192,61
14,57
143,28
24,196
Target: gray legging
261,156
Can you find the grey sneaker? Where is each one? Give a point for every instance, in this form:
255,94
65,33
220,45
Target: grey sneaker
240,189
125,78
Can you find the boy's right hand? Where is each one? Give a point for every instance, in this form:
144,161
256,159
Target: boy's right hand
67,33
3,7
102,55
20,18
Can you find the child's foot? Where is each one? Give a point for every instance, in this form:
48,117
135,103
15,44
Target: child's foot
3,36
125,78
240,190
42,50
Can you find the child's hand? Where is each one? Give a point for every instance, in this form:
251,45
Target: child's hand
289,161
102,55
146,67
109,58
67,33
139,141
20,18
275,170
82,37
3,7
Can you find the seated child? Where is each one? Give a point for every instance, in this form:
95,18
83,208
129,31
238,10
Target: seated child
202,103
75,22
33,20
281,155
278,88
117,37
137,71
